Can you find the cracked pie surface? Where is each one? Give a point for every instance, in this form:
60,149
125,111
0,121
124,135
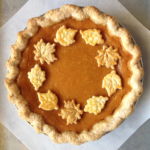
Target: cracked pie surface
73,72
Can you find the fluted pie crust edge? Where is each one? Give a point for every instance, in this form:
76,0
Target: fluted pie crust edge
55,16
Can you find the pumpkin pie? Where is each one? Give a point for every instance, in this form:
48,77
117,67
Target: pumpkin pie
74,74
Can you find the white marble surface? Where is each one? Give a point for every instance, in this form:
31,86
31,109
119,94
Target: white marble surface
9,142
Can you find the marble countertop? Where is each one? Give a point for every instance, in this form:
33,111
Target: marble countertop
140,140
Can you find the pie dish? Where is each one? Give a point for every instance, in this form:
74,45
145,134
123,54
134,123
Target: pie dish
74,74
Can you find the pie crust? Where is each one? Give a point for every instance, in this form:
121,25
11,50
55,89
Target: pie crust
126,106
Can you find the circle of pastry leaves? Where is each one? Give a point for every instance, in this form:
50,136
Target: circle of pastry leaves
107,57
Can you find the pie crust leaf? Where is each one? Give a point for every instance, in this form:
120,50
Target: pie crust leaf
65,36
92,36
108,57
36,76
44,52
71,112
111,82
48,100
95,104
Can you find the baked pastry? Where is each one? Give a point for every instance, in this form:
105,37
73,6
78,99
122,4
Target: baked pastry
74,74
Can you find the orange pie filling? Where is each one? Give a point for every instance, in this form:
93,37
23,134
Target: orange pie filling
75,75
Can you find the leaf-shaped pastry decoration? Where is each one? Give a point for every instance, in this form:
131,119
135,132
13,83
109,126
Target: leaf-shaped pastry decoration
48,100
92,36
36,76
44,52
108,57
111,82
95,104
71,112
65,36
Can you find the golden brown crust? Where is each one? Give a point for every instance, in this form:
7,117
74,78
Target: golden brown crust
102,127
